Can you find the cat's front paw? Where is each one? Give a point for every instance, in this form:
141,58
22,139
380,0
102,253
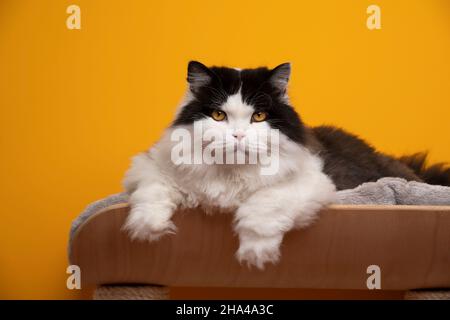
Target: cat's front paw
257,250
147,225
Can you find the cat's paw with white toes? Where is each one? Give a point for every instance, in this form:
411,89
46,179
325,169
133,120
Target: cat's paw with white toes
146,226
258,251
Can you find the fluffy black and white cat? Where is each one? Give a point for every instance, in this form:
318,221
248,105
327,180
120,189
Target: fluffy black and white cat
241,106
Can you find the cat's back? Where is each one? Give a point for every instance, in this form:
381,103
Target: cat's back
339,141
351,161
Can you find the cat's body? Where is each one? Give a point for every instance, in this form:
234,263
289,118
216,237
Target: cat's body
350,161
244,105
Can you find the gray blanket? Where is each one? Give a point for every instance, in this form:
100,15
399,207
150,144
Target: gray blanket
393,191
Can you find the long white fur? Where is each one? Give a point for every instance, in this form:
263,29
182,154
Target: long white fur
265,206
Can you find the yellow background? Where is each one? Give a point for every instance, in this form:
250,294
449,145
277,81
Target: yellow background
75,105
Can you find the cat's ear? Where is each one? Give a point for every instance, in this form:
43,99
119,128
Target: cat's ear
198,75
279,77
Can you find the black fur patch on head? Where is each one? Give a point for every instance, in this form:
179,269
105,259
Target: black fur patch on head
261,88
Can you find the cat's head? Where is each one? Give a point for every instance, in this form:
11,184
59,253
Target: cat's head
242,104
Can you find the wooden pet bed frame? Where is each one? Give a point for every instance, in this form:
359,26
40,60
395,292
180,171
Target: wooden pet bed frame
410,244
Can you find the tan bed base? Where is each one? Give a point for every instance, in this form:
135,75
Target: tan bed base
410,245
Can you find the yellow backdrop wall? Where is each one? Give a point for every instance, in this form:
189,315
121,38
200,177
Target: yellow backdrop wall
75,105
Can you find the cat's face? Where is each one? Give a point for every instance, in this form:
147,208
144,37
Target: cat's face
243,106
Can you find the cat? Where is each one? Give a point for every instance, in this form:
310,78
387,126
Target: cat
242,106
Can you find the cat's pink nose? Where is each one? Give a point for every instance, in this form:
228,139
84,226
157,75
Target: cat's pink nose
239,135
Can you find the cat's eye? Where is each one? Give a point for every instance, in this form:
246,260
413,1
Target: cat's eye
218,115
259,116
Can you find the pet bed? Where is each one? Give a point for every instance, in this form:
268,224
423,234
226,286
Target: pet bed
401,227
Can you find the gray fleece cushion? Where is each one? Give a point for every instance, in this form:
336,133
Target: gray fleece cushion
384,192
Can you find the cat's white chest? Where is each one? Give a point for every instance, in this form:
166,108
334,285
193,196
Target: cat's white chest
218,190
